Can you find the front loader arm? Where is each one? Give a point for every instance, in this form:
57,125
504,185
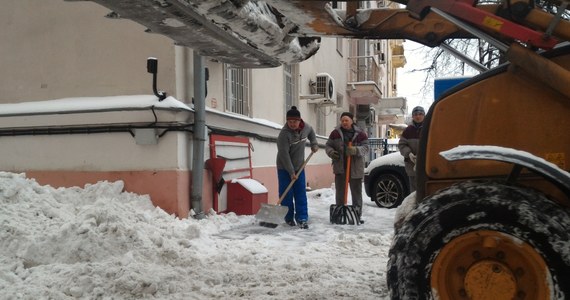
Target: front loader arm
512,21
259,34
318,18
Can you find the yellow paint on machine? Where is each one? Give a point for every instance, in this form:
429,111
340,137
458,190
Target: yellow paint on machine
558,159
493,23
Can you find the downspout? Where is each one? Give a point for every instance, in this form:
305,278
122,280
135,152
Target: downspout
199,136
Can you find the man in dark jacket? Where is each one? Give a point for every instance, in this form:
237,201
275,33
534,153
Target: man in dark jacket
291,145
337,148
409,144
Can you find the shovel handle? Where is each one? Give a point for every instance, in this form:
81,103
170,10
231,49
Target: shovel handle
347,177
293,181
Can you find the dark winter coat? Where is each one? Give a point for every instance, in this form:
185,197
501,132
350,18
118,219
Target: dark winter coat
338,142
291,147
409,143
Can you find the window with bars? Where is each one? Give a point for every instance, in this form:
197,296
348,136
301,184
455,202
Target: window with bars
237,89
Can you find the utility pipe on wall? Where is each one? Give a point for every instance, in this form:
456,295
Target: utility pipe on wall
199,136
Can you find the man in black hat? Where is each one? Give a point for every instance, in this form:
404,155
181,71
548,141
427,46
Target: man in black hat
409,144
290,158
338,149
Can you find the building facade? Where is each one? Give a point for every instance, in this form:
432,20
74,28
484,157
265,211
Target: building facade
69,54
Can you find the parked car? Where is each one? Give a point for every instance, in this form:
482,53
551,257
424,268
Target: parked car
386,181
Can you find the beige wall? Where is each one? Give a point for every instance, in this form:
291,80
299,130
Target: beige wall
268,94
267,86
327,60
53,49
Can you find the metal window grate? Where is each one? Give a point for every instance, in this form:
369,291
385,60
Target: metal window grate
237,90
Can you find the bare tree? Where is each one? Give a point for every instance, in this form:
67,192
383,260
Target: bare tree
440,63
443,64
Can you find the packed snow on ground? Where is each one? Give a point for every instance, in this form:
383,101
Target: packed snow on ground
99,242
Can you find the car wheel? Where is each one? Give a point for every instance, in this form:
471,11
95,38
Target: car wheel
387,191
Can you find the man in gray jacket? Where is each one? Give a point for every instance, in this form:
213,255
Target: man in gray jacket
338,149
291,145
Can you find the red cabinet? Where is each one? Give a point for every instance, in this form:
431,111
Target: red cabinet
245,196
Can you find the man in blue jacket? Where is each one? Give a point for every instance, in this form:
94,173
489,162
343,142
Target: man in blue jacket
291,145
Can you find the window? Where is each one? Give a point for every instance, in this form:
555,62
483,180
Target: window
237,89
290,85
321,122
339,46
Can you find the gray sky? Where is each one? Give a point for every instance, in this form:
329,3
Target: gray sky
411,83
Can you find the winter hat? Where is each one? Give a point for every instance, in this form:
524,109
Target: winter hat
347,114
418,109
293,114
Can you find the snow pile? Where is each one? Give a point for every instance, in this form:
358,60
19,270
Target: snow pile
98,242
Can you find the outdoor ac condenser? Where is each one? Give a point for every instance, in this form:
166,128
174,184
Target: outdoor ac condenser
325,87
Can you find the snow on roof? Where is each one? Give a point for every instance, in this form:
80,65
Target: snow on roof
90,104
246,118
113,103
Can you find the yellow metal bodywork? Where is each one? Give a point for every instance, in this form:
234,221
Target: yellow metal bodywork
511,108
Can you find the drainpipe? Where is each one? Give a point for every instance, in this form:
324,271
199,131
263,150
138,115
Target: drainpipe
199,136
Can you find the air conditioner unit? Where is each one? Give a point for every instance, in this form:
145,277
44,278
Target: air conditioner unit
325,87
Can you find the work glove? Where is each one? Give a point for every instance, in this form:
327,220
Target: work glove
412,158
334,155
315,148
350,150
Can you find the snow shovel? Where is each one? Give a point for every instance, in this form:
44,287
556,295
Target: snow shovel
345,214
272,215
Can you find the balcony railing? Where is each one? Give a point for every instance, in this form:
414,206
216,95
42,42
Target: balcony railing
363,69
363,85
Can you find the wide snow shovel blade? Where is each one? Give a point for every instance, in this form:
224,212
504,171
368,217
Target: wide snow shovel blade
270,215
344,214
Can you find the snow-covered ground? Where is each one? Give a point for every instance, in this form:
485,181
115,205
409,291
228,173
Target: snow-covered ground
98,242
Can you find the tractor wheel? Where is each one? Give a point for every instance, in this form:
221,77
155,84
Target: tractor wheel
482,241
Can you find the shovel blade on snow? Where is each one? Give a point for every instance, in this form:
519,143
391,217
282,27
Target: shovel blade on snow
271,214
344,214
